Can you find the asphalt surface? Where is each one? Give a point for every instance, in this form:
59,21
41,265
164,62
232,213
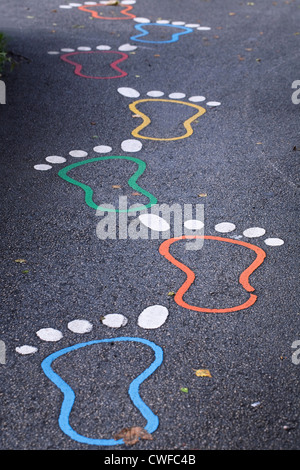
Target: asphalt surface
241,163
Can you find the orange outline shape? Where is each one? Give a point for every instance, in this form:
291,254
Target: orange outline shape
128,16
244,277
147,120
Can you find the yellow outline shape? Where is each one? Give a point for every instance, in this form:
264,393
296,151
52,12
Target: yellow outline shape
147,120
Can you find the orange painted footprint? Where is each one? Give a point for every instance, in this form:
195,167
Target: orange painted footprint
224,227
105,10
188,110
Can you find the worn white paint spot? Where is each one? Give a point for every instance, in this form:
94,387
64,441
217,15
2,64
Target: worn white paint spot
141,20
26,349
274,241
114,320
213,103
155,93
67,49
53,52
153,317
49,334
128,2
102,149
254,232
127,48
176,96
84,48
103,47
197,99
75,4
65,6
42,167
204,28
128,92
193,224
154,222
78,153
56,159
131,145
80,326
192,25
225,227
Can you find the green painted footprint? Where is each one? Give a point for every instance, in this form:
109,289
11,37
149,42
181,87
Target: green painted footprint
132,182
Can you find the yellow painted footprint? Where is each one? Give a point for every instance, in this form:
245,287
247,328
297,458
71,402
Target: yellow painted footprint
174,99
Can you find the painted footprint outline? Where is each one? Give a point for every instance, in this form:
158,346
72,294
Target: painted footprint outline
253,232
129,145
69,395
174,38
155,96
69,53
87,7
152,317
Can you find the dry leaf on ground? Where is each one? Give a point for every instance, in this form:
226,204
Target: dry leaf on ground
132,435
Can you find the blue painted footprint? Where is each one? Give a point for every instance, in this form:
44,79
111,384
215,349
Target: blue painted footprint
176,29
151,317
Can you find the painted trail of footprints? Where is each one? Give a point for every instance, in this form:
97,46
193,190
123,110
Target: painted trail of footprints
154,316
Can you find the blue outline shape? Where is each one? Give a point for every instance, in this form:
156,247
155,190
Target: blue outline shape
174,38
69,395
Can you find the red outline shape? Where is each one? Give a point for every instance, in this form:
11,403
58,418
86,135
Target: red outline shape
95,13
113,65
244,277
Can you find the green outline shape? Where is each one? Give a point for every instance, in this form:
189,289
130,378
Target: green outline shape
132,182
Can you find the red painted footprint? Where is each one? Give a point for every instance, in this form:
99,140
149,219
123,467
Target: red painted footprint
102,53
244,277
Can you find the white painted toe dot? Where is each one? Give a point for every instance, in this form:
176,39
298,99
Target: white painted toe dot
155,93
66,7
53,52
176,96
103,47
274,241
128,2
192,25
178,23
78,153
162,21
213,103
56,159
154,222
197,99
114,320
153,317
204,28
102,149
254,232
193,224
127,48
84,48
141,20
42,167
225,227
26,349
80,326
128,92
75,4
49,334
131,145
67,49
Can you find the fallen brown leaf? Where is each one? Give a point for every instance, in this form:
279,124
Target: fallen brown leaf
132,435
